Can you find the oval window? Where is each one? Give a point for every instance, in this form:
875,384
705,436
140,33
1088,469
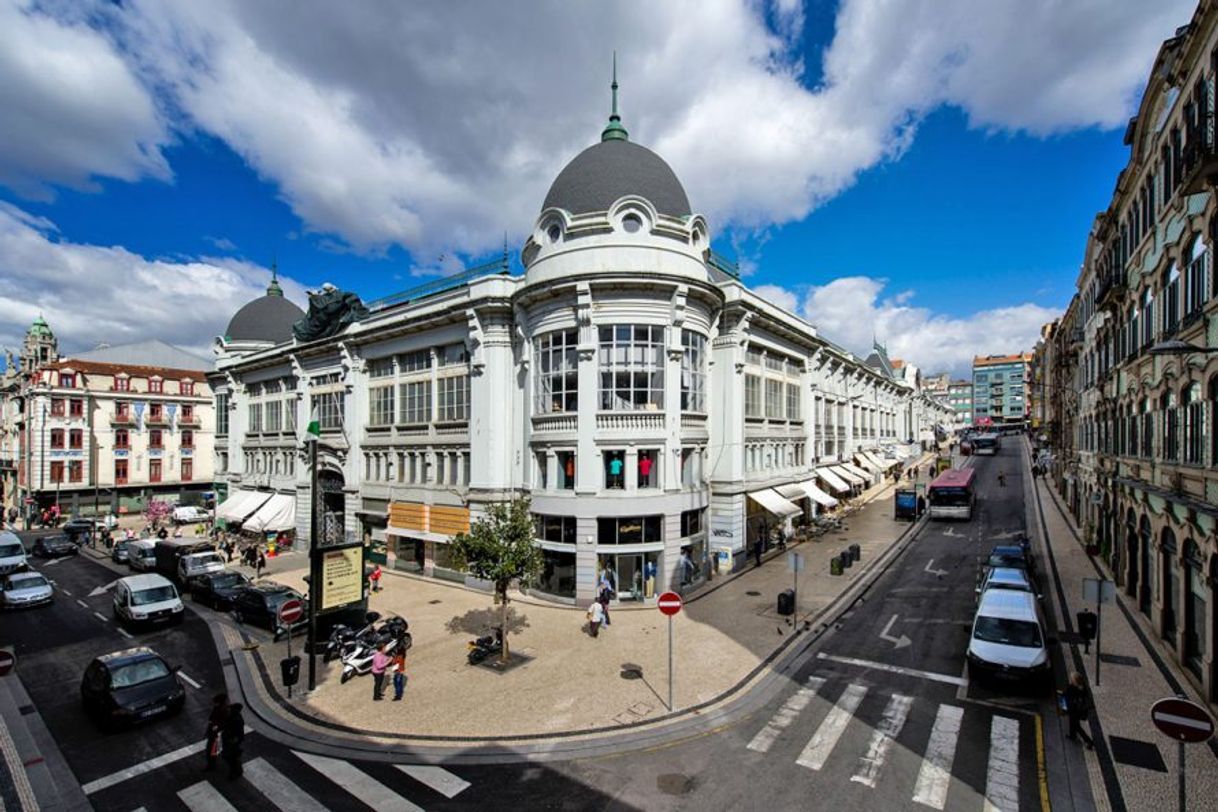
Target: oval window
554,233
631,223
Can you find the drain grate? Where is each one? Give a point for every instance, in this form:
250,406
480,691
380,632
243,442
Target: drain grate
753,593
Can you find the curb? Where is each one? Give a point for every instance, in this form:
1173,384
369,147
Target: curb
247,676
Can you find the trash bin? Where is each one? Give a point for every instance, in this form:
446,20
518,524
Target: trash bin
786,602
835,566
289,668
856,552
846,558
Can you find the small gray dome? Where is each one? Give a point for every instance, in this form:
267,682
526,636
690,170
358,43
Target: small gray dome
612,169
268,318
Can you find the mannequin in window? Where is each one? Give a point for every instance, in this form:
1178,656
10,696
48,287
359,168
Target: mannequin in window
569,470
615,471
645,466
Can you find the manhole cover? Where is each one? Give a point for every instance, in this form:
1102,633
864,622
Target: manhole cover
632,671
753,593
675,784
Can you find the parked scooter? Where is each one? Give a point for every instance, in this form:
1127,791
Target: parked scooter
392,634
343,638
485,646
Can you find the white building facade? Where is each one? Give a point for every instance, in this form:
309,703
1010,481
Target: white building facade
660,415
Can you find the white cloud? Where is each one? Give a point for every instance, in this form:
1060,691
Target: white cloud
852,311
72,109
91,293
779,297
439,126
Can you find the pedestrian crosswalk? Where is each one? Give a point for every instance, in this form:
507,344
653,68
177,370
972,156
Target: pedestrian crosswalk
816,731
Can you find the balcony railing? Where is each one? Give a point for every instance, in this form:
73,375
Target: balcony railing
1199,158
193,420
122,420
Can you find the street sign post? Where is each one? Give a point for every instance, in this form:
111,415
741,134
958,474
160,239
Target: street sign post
1098,591
669,603
290,611
795,563
7,661
1186,722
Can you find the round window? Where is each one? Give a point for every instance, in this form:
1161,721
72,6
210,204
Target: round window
554,233
631,223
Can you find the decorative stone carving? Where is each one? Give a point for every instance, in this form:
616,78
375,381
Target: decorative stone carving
330,312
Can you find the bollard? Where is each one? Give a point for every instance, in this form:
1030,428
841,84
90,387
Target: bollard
835,566
846,558
856,552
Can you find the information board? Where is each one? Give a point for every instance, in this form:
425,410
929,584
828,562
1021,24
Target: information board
342,577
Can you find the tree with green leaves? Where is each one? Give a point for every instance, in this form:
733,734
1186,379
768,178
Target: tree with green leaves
501,548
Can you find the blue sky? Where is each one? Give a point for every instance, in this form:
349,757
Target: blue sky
887,167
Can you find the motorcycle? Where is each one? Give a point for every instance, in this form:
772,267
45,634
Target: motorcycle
485,646
392,634
343,637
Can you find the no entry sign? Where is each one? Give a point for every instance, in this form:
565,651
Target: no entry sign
290,612
1184,721
669,603
6,662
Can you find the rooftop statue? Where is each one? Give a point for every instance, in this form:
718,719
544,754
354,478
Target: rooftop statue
330,311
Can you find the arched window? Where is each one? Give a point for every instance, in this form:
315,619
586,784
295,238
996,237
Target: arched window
1194,423
1195,283
1148,317
1148,429
1171,431
1132,418
1171,299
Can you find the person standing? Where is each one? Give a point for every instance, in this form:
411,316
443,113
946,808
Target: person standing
399,675
1078,708
231,738
260,565
604,594
374,579
757,550
215,724
380,662
596,614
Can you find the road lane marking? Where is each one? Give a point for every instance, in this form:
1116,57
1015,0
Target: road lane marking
822,743
785,715
278,789
895,669
125,633
882,738
100,617
82,603
105,782
189,680
203,797
1002,773
64,591
438,778
935,775
358,783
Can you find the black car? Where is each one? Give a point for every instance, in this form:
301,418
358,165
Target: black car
1016,556
78,527
54,547
130,686
218,589
258,605
118,553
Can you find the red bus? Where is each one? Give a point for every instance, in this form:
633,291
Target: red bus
951,495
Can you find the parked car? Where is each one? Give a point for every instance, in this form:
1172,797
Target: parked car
130,686
20,590
147,598
54,547
119,552
195,564
12,553
218,589
1008,641
190,514
78,527
258,605
141,555
1005,578
1011,555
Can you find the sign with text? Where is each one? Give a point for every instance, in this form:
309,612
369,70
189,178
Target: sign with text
342,577
1098,590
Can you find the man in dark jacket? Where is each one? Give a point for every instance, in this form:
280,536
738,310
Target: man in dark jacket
231,738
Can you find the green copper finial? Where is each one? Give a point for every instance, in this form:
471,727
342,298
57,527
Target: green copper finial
273,289
614,131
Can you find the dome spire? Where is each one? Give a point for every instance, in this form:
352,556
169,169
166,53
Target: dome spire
614,131
273,289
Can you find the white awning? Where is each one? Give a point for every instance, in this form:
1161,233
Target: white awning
835,482
862,473
881,462
848,475
817,495
276,514
240,505
867,463
769,499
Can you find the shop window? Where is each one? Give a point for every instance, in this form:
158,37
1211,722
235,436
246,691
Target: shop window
630,530
615,463
631,367
649,469
557,573
566,470
559,529
691,522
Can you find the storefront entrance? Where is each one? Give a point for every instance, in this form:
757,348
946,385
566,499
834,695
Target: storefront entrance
633,575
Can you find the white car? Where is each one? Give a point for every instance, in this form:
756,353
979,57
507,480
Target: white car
141,555
190,514
12,553
1005,578
24,589
147,598
1008,642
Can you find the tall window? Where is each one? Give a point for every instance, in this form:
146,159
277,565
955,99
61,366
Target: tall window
381,405
156,412
76,408
76,438
693,371
752,396
416,402
1171,300
1171,447
1148,317
155,439
774,394
156,385
272,416
1193,408
154,470
222,414
188,412
255,417
76,471
793,412
57,471
328,406
188,439
186,387
556,361
632,367
120,472
289,414
452,398
56,438
1198,273
1148,429
121,439
188,470
57,407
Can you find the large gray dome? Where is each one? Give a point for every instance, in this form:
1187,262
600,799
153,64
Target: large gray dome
268,318
612,169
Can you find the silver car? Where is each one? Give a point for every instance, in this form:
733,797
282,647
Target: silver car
22,589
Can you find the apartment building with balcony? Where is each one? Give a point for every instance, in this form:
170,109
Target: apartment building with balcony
1000,389
1134,361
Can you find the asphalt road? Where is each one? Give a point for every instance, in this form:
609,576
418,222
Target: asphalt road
880,716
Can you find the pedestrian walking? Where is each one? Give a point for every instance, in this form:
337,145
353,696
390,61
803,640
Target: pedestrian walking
596,614
603,595
231,738
260,565
1078,708
1002,479
380,662
399,675
228,552
921,504
757,551
374,579
215,724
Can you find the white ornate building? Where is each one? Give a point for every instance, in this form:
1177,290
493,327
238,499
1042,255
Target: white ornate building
659,413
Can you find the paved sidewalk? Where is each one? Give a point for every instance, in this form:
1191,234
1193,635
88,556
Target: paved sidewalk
573,684
1121,724
33,773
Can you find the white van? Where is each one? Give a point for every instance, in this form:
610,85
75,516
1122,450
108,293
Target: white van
196,564
141,555
1008,640
147,598
12,553
190,514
